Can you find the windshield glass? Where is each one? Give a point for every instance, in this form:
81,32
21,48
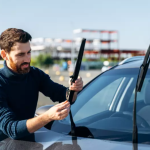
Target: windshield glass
107,104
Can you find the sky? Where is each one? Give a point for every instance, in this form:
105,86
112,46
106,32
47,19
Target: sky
58,18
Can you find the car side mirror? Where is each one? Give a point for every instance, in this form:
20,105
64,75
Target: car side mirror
42,109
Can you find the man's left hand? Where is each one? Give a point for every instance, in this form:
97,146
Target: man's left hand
77,85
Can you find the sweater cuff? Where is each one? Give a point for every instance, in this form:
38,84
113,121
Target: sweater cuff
22,129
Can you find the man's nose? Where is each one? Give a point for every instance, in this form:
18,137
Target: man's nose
27,58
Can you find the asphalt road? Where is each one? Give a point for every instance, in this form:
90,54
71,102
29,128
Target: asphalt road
63,78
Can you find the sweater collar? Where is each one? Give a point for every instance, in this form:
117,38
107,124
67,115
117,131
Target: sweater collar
11,74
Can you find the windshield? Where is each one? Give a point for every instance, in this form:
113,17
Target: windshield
109,92
105,106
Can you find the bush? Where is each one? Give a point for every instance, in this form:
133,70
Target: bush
42,60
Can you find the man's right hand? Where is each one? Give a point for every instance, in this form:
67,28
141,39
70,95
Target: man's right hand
59,111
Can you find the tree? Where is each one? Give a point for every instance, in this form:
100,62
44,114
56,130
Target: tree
42,60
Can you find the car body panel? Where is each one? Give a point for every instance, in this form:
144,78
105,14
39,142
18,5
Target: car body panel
49,140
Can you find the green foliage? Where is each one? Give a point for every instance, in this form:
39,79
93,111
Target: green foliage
84,59
60,61
42,60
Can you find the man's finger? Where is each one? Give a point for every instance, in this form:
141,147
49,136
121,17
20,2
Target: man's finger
61,107
77,84
63,116
64,111
76,87
78,81
62,103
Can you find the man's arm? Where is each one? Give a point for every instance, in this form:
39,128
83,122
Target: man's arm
57,112
16,129
55,91
9,124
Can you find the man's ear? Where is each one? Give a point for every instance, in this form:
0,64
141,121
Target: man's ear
3,54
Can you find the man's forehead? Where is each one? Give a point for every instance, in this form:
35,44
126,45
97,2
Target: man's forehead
21,47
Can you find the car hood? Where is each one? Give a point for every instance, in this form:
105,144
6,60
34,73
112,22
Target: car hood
49,140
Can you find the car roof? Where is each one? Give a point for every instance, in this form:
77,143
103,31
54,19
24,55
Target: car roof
133,62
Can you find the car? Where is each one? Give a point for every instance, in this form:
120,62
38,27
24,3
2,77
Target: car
102,113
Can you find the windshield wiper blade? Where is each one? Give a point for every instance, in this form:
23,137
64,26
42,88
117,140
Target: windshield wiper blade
143,70
139,84
74,77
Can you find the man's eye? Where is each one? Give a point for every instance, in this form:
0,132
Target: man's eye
20,54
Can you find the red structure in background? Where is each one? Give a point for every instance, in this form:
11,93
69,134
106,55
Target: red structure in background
99,44
109,51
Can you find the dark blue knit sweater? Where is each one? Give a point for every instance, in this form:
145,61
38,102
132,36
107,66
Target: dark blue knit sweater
19,95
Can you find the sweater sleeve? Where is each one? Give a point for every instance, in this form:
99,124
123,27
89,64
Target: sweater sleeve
9,125
55,91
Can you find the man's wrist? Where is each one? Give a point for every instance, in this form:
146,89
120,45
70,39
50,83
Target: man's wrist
67,93
46,115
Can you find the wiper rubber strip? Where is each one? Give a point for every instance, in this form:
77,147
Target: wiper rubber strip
139,84
74,77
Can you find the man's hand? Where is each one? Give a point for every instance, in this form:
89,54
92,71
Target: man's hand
77,86
59,111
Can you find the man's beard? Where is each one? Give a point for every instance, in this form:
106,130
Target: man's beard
18,69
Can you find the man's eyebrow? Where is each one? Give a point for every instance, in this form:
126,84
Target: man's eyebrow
23,52
20,53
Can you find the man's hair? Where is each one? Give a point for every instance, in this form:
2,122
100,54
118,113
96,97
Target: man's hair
12,35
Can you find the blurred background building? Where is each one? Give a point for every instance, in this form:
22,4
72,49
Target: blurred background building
99,44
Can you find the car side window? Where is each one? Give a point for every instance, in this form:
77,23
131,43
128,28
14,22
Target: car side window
99,102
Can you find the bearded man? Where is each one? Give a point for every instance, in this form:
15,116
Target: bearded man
20,84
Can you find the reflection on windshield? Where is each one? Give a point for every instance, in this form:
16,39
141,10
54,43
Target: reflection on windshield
62,146
19,145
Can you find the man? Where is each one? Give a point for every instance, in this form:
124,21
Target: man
20,85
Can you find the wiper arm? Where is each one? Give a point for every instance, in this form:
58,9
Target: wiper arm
143,70
74,77
139,84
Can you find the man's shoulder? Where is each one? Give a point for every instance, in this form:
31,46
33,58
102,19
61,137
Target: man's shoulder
2,77
1,73
1,70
